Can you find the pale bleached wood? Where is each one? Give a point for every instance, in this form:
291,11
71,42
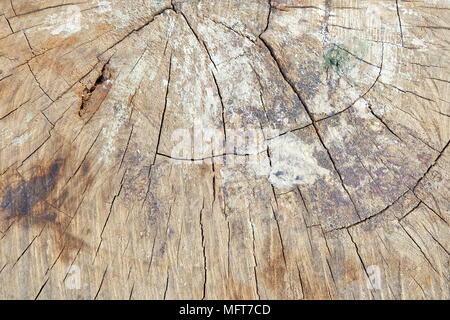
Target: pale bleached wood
342,193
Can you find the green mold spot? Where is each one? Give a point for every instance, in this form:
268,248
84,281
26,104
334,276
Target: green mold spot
335,58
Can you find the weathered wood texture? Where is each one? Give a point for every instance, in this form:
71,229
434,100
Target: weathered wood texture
224,149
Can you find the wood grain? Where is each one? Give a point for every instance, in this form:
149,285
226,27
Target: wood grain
284,149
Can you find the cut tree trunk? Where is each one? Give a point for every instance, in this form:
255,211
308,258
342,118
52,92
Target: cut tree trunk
224,149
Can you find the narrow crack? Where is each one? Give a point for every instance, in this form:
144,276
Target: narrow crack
126,147
420,248
255,261
311,117
223,109
202,232
24,251
42,288
112,204
232,30
223,155
160,131
374,215
268,18
152,252
12,7
384,124
135,30
431,166
438,242
302,286
167,286
47,8
399,21
131,292
377,79
434,211
361,260
279,234
38,83
200,41
101,283
165,108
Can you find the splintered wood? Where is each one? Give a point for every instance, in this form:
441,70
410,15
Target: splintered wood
224,149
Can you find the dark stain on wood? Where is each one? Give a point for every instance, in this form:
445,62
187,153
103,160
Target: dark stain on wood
20,200
28,201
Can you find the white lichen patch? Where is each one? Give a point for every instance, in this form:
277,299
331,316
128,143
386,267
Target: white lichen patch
112,131
218,37
66,22
419,43
103,6
20,140
112,13
362,110
340,134
294,163
296,25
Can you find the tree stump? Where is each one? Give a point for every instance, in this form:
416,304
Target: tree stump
206,149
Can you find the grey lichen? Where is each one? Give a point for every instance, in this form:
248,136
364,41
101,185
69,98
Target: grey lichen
335,57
